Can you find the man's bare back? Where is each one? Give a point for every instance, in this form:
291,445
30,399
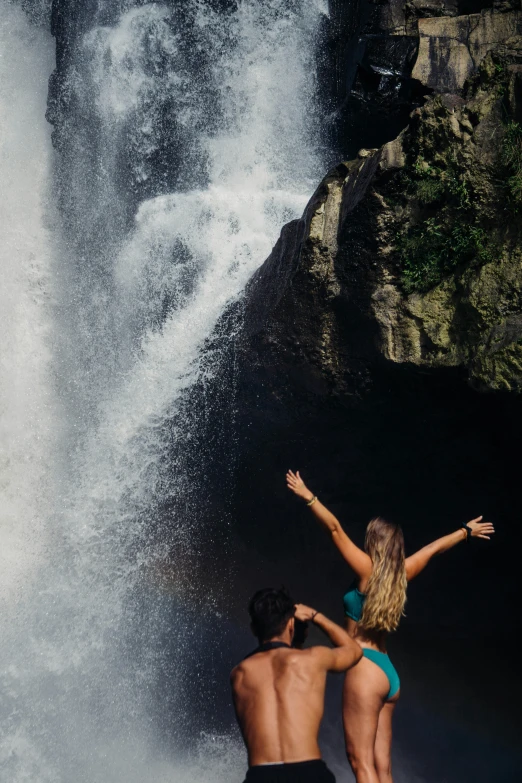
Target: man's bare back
279,693
279,697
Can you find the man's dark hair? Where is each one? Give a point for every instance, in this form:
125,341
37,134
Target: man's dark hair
269,611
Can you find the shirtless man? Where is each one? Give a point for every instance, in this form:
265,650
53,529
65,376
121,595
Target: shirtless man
278,691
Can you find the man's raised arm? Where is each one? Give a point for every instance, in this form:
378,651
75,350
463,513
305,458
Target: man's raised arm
346,652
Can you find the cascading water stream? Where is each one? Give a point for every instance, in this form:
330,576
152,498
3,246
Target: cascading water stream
27,422
106,321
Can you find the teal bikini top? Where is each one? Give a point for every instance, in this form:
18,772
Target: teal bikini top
353,602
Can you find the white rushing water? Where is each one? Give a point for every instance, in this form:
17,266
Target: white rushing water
26,397
105,323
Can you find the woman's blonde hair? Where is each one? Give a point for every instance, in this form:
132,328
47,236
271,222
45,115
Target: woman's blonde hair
386,588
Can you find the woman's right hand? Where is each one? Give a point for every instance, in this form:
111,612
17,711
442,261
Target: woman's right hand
481,529
295,484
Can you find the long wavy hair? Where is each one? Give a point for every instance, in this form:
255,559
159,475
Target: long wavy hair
386,588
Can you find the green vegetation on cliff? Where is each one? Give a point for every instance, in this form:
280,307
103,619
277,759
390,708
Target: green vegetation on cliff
458,195
511,157
448,232
451,230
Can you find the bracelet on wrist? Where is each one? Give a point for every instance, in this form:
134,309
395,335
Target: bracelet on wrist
314,615
468,531
311,501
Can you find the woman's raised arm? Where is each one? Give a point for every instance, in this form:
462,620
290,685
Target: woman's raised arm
356,558
417,562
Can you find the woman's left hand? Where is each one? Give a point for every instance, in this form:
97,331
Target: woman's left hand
295,484
481,529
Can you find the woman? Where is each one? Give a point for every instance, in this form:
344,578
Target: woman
373,606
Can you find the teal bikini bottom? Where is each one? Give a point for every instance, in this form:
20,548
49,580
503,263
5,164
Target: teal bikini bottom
383,662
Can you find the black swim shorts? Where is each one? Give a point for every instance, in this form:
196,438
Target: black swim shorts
301,772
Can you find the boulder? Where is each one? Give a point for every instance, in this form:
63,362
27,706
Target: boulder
452,48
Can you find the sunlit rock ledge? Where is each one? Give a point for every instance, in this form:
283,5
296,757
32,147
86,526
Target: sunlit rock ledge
452,48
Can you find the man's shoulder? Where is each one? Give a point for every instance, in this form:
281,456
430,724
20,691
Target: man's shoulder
243,666
317,649
236,671
293,655
308,655
318,653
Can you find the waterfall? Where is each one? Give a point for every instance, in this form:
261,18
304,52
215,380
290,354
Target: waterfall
188,141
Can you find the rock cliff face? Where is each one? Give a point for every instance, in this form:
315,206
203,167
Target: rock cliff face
414,249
